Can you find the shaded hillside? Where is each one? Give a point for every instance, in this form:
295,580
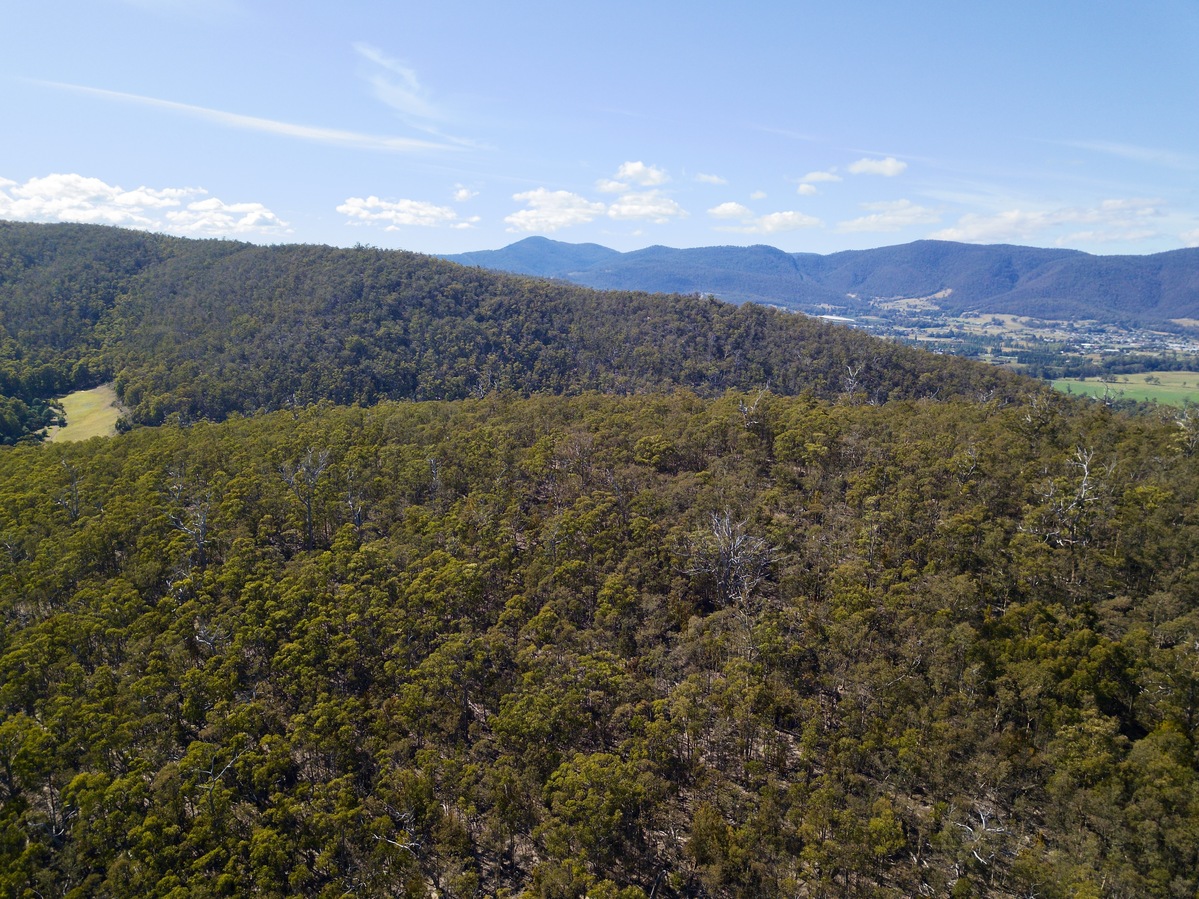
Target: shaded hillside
208,328
1043,283
599,646
540,257
737,274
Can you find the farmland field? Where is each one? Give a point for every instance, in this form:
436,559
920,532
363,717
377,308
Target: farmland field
1171,388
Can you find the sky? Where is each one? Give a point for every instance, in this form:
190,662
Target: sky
454,126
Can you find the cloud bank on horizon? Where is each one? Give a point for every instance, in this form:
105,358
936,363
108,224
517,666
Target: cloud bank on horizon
456,128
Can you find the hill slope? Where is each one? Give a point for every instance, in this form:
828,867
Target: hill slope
207,328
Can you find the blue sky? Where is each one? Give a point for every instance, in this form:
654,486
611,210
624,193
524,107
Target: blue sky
453,126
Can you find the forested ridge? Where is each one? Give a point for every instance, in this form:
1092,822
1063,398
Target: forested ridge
609,594
201,329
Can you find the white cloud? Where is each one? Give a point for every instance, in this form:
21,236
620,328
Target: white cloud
178,210
214,217
651,205
402,213
710,179
550,210
462,194
818,177
807,190
396,84
730,211
608,186
758,195
312,133
1151,155
889,167
776,222
1117,220
1190,238
642,174
771,223
891,216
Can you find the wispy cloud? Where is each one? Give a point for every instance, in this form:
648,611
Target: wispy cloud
178,210
402,213
890,216
1109,221
397,85
313,133
192,9
1152,155
703,178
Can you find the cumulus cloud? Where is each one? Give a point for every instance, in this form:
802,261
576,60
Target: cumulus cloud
819,177
641,174
891,216
730,211
462,194
177,210
1190,238
710,179
776,222
758,195
651,205
550,210
213,216
889,167
771,223
807,190
609,186
1111,220
396,214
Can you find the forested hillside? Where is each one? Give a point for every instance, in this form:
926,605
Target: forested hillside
203,329
605,646
424,580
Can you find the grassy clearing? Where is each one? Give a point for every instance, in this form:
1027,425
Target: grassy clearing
90,413
1176,388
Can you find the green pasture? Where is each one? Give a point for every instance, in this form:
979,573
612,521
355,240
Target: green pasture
90,413
1170,388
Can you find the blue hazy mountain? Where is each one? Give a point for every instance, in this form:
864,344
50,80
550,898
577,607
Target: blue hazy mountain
1046,283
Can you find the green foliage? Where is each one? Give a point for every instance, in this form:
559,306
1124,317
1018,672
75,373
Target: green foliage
497,645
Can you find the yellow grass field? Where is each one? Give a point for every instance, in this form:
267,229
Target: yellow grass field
90,413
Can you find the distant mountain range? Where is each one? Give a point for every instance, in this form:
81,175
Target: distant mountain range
1044,283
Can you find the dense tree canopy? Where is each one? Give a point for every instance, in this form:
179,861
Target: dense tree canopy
755,645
